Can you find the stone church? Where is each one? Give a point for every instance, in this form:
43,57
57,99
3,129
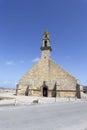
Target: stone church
47,78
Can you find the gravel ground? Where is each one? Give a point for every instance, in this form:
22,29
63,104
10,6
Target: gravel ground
55,116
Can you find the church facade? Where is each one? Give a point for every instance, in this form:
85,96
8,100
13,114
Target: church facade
47,78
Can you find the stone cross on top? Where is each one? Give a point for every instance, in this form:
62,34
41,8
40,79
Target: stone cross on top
46,35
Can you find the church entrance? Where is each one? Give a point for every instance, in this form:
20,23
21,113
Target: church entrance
45,91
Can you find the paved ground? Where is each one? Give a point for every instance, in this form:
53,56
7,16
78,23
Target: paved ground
71,115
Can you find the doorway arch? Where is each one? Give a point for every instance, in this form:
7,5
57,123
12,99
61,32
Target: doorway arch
45,91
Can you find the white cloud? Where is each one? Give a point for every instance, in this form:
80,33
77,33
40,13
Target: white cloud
10,63
8,84
35,60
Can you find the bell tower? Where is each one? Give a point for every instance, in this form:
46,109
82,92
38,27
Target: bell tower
46,48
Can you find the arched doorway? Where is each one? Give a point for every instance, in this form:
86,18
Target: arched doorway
45,91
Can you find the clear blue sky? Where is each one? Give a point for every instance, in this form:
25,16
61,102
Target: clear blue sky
22,23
